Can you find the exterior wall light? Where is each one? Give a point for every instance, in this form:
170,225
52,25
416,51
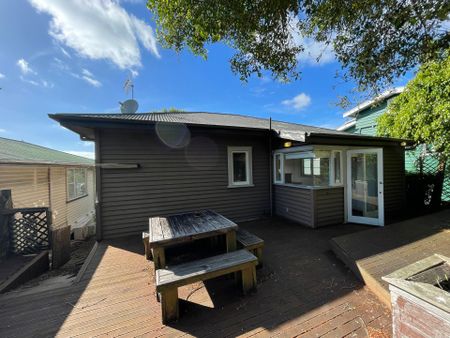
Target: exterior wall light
288,144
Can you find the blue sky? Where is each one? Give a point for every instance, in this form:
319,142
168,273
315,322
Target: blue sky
73,56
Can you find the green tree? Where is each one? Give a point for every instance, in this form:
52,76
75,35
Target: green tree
375,40
422,114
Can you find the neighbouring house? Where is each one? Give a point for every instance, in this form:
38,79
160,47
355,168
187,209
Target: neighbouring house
362,119
243,167
39,176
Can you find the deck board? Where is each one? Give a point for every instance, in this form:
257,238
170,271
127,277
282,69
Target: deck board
302,290
378,252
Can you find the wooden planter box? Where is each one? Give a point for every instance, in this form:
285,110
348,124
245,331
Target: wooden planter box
420,298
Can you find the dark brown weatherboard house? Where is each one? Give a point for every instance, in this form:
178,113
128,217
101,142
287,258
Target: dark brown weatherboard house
243,167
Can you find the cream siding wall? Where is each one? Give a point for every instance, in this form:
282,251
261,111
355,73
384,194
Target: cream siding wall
29,184
44,186
58,196
80,209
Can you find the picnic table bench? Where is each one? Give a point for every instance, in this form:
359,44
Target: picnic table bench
168,280
250,242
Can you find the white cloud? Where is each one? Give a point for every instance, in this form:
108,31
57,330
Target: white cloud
2,76
92,81
2,130
25,67
298,102
66,53
87,76
34,83
88,154
86,72
99,29
314,53
37,82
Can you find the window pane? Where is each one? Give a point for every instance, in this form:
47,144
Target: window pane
239,167
71,190
337,168
321,171
278,168
69,175
307,166
316,166
294,172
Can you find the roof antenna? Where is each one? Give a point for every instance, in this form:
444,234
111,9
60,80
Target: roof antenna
130,106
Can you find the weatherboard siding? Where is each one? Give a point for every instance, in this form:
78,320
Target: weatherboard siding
366,121
310,207
45,186
329,206
295,204
171,180
394,182
58,196
29,185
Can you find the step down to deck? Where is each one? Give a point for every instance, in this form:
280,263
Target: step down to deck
357,268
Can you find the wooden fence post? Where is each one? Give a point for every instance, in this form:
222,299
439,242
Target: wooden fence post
5,218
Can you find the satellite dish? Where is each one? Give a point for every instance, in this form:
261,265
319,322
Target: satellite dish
129,106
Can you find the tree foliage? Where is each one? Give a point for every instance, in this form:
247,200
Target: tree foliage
422,112
375,40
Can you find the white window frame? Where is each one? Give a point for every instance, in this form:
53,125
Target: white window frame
309,167
76,196
281,180
335,153
248,167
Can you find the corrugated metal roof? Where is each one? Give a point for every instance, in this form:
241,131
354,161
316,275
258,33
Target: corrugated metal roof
13,151
284,129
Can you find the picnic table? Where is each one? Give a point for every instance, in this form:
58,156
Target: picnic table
186,227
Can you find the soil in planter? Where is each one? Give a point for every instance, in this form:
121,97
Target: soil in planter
438,276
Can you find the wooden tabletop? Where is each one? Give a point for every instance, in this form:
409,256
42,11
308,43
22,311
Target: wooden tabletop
164,231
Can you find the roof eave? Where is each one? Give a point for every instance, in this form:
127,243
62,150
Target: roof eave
346,125
351,136
363,106
47,163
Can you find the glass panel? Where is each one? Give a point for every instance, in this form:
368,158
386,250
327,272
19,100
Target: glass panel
71,191
307,166
316,166
239,167
364,180
69,175
321,169
278,168
337,168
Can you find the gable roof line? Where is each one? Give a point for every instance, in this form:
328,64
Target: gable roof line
346,125
21,152
366,104
85,124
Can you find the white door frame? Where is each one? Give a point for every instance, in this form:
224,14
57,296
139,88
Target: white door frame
359,219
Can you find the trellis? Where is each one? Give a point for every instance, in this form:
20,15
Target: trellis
29,230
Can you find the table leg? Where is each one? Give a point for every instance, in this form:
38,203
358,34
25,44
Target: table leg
159,258
231,240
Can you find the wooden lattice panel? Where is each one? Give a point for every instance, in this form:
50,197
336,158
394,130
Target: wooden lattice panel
29,231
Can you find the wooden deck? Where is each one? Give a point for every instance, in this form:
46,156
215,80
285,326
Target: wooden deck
303,290
376,253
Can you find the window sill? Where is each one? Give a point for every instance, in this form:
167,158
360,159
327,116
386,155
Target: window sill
240,186
76,198
309,187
